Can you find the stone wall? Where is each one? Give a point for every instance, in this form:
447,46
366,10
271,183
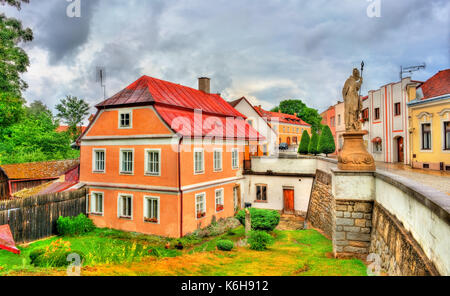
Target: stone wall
321,204
353,226
399,252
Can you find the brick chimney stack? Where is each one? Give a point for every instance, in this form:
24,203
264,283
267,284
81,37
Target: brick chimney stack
204,84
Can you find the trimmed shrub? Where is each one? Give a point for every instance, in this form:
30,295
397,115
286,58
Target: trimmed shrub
74,225
326,141
259,240
225,245
35,254
54,255
266,220
304,143
312,149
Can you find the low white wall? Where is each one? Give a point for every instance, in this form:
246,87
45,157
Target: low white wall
284,165
302,191
430,231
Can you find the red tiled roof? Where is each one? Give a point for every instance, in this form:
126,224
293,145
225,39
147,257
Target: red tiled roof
282,117
64,128
39,170
437,85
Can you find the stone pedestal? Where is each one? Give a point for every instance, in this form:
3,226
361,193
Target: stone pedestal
354,155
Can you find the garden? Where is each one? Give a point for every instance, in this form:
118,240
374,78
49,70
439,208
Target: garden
221,249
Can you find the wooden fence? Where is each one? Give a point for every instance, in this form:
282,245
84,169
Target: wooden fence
35,217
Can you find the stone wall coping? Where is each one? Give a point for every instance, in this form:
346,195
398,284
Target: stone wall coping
437,201
339,172
330,160
275,174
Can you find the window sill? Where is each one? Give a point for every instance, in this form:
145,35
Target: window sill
98,172
96,214
200,218
126,218
126,174
218,171
152,175
260,201
150,222
199,173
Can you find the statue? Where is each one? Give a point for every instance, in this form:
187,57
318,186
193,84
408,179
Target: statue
354,155
352,101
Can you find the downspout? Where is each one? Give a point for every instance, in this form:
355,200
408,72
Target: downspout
179,186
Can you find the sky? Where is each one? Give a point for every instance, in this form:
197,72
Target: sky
267,50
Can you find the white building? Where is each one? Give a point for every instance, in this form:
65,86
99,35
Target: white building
385,116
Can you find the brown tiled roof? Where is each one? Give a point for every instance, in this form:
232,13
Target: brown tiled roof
39,170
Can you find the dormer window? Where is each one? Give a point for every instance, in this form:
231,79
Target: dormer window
125,119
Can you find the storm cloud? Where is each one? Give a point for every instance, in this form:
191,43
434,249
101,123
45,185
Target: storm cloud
265,50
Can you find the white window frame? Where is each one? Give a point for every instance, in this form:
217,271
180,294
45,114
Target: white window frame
146,198
94,160
91,200
130,112
121,171
235,150
221,160
222,198
443,121
421,136
147,151
119,208
204,202
203,161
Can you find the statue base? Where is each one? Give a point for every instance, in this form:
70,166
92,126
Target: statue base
354,155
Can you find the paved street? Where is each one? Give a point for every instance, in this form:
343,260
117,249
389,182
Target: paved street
436,179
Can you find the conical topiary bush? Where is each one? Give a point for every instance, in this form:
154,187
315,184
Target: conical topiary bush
313,144
304,143
326,141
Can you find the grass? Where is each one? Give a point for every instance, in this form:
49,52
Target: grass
111,252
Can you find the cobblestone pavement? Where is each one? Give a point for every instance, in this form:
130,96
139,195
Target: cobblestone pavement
437,179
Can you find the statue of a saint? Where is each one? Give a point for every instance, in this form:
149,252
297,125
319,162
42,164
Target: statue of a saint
353,105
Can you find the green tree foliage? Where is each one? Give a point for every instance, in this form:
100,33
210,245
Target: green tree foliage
35,139
304,143
326,141
15,3
38,107
13,62
313,144
262,219
307,114
259,240
73,111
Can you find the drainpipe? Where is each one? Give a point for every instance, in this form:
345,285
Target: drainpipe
179,186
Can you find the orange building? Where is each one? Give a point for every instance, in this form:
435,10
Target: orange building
165,159
288,127
329,118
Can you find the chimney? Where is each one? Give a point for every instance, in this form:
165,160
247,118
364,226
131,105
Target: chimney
204,84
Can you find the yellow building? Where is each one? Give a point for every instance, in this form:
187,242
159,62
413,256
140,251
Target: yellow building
289,128
429,122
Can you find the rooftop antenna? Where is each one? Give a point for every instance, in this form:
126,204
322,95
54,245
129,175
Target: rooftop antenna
101,77
410,69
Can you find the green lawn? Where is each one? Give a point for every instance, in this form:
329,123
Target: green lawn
111,252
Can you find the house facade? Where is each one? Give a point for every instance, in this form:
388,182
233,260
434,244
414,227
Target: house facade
430,123
165,159
268,147
289,128
385,117
334,118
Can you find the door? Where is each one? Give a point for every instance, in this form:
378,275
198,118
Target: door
401,155
289,141
288,195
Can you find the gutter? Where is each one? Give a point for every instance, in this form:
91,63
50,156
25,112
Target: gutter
179,186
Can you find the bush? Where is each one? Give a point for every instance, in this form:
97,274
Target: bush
312,149
304,143
326,141
74,225
54,255
259,240
35,254
225,245
261,219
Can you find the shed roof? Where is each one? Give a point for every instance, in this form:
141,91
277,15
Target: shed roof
39,170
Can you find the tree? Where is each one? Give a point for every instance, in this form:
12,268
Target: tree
304,143
13,62
312,149
326,141
309,115
38,107
73,111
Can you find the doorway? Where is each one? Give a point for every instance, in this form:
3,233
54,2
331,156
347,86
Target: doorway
289,141
400,150
288,196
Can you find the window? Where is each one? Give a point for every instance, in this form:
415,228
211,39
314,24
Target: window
200,205
151,209
97,203
126,162
265,150
398,109
261,193
332,121
377,113
235,158
426,136
297,130
217,160
153,162
284,129
365,114
339,119
99,160
377,147
447,135
250,122
294,139
219,200
124,119
199,161
125,206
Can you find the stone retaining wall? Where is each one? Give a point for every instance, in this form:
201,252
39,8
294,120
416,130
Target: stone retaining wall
399,252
